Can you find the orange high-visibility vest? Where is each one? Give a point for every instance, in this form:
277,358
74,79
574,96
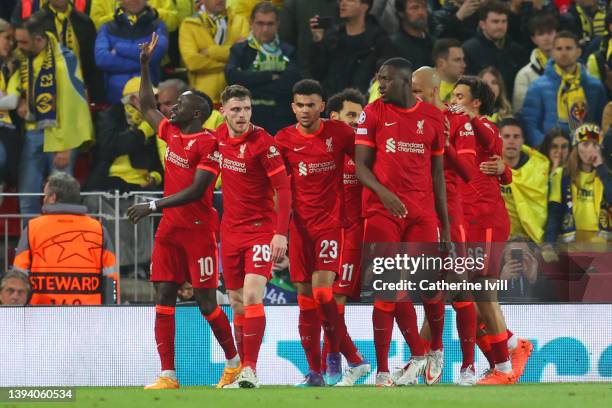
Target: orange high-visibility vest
67,257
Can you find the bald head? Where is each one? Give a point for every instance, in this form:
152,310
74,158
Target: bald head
426,85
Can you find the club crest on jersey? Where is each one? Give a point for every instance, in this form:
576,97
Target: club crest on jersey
242,149
273,152
302,169
191,142
390,145
329,143
420,126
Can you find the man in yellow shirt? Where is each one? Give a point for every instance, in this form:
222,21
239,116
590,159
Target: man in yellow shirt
205,41
449,62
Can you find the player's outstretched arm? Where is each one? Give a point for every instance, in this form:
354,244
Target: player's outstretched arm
364,160
148,105
201,181
439,187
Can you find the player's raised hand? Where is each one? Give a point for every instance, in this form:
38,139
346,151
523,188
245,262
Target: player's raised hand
278,247
146,49
393,203
138,211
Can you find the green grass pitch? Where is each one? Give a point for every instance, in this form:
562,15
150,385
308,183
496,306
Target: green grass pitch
582,395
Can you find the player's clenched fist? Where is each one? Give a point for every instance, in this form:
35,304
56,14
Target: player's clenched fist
137,212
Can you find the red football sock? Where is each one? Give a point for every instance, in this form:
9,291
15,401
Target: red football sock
382,321
426,345
238,334
223,332
309,327
164,335
434,312
329,315
466,329
254,328
406,319
324,353
499,347
347,347
485,347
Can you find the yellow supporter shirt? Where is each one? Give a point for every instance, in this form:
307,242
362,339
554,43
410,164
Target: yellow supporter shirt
4,115
516,228
15,87
446,90
585,213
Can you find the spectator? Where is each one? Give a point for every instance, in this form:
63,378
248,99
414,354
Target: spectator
245,7
104,11
457,19
205,40
64,248
501,108
599,59
448,58
346,55
581,194
58,121
492,46
25,8
295,26
556,146
14,289
76,31
542,29
559,97
521,12
520,267
267,67
117,46
586,19
413,40
526,198
127,157
167,96
8,134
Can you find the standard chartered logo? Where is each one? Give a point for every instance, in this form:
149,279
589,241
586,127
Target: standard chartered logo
302,169
390,145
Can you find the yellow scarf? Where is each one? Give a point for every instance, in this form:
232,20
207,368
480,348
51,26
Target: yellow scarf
217,25
541,58
571,100
65,31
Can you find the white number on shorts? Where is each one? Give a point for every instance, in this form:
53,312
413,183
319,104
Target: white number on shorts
347,272
329,249
261,253
207,267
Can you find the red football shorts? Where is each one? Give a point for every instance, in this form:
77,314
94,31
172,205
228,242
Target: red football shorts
487,242
349,277
317,251
380,227
243,253
185,255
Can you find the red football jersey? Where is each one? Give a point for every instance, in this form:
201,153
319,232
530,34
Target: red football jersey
405,140
316,165
461,137
352,193
185,154
247,163
482,199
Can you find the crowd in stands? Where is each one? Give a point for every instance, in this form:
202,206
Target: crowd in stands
69,84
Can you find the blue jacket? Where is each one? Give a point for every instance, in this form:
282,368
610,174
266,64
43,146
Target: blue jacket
118,54
539,111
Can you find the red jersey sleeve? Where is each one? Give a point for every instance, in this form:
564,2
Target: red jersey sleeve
506,177
209,157
270,157
437,145
366,130
487,135
162,131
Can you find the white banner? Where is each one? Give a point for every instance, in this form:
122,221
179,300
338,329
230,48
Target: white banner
115,346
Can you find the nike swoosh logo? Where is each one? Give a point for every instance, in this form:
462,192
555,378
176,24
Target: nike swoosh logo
390,123
221,144
248,335
258,266
202,280
327,261
343,286
429,377
297,149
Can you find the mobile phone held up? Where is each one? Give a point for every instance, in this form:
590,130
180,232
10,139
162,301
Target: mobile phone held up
517,254
325,22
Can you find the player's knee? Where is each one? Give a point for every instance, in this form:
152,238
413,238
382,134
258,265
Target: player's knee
207,300
207,307
322,295
165,293
252,298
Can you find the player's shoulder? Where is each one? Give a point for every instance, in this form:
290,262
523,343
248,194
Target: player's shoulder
284,135
429,110
260,138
